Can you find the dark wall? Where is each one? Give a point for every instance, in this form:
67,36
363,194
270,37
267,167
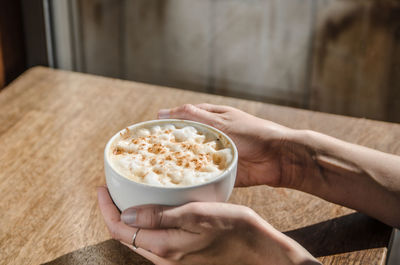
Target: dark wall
12,54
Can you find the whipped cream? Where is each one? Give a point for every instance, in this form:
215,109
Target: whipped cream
169,155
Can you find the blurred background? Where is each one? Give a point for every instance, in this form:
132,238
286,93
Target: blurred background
336,56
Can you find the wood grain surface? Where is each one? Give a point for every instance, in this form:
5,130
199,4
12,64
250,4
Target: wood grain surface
53,129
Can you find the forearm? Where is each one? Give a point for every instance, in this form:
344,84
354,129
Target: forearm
351,175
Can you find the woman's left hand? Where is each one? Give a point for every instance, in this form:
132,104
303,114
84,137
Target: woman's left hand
201,233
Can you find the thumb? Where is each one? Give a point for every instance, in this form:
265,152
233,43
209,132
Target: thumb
190,112
151,217
188,216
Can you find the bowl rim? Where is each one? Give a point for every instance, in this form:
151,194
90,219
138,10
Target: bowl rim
223,174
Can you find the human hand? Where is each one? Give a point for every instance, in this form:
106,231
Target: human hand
201,233
265,151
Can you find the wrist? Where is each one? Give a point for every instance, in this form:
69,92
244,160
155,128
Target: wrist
297,160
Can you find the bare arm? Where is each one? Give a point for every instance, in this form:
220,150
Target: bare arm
340,172
351,175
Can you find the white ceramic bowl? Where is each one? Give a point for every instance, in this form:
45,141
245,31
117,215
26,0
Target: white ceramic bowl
127,193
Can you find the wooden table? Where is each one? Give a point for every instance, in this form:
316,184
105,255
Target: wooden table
54,126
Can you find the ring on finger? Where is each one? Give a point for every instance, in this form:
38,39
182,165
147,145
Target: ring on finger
134,238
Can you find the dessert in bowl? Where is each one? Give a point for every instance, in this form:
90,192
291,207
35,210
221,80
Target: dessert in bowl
169,162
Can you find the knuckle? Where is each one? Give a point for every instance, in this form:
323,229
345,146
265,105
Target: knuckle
224,124
193,213
156,216
218,123
195,208
188,108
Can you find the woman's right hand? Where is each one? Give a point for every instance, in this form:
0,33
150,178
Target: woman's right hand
263,146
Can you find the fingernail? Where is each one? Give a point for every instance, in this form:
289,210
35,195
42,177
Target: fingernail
163,114
129,216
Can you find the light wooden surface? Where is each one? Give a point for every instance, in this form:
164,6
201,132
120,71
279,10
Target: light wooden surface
54,126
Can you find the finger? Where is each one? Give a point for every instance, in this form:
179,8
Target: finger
111,215
152,216
198,224
183,233
107,206
214,108
169,243
185,216
162,242
189,112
